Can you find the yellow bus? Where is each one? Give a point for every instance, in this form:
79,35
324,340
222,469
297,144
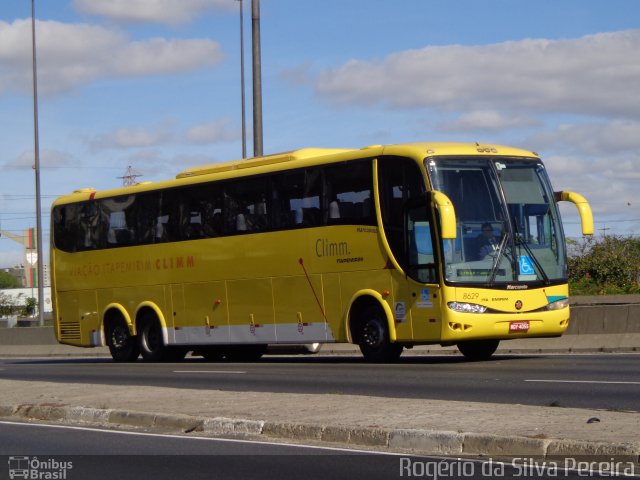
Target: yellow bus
386,247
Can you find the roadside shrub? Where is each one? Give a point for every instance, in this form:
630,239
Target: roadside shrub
604,266
8,306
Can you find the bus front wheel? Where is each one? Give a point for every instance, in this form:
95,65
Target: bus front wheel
478,350
122,345
373,337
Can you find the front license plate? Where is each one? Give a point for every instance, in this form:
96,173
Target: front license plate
520,326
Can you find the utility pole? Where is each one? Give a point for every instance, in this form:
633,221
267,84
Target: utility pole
244,120
257,79
36,167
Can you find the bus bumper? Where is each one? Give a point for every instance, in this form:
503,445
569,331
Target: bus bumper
458,327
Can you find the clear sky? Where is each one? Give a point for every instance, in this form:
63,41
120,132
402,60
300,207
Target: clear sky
155,84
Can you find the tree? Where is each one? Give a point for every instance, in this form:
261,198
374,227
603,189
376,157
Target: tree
30,306
7,305
8,281
605,265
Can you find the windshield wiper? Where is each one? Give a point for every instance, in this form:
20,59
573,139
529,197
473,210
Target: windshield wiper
502,248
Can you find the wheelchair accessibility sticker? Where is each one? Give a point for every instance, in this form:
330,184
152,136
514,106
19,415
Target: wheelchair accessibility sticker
526,265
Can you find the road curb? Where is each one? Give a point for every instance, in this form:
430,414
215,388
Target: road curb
436,442
505,446
418,441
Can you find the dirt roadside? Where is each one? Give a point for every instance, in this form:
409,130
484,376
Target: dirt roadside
425,426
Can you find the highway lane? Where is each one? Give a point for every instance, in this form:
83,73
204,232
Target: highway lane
98,453
583,381
57,451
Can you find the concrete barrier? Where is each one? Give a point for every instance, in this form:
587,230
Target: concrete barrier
605,315
27,336
607,323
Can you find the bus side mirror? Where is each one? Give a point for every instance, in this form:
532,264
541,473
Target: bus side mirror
586,217
447,214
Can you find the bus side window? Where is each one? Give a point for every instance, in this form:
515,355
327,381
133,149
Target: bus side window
348,189
91,226
312,192
120,218
296,199
65,225
399,181
199,206
421,255
247,207
211,208
143,216
168,219
288,205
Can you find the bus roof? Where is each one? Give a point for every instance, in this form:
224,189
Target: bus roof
453,148
305,153
260,161
423,149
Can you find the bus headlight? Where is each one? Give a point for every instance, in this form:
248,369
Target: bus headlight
466,307
558,304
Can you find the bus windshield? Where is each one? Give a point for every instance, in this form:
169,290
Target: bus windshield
508,227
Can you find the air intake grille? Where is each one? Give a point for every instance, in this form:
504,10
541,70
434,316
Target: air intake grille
70,331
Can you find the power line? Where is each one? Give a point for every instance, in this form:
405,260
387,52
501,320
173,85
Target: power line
11,198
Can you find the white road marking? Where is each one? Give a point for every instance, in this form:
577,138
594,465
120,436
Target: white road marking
594,382
231,372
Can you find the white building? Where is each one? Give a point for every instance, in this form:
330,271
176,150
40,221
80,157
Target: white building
20,295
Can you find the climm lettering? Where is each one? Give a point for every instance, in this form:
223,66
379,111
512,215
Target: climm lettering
327,248
133,266
169,263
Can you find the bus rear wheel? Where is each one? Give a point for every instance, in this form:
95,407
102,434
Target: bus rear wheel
152,345
122,345
478,350
373,337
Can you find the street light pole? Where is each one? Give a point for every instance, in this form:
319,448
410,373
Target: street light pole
257,79
36,167
244,121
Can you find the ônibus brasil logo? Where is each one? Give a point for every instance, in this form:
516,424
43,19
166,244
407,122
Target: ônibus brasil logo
34,468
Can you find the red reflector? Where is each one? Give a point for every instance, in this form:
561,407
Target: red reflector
520,326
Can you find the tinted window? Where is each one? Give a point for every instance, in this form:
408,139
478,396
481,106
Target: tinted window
297,199
332,194
399,181
348,193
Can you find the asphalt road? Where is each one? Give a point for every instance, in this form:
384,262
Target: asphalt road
56,451
580,381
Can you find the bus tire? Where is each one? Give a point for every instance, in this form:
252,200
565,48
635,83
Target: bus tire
478,350
150,340
373,337
122,346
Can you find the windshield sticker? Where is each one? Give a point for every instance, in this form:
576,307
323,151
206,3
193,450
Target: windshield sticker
526,265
